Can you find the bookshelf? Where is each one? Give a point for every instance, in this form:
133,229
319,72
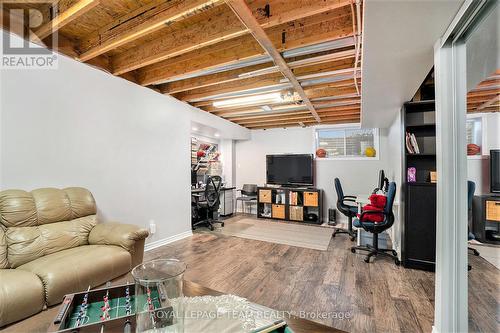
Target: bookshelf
290,204
418,197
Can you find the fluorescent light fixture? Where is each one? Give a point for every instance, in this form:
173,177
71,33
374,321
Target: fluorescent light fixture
266,108
249,100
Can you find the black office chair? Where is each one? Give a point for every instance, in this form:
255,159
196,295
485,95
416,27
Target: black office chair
348,210
377,228
471,188
210,202
248,195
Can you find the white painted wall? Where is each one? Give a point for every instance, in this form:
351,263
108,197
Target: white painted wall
393,172
357,176
78,126
398,40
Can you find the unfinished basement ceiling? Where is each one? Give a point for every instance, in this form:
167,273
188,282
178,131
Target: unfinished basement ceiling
294,63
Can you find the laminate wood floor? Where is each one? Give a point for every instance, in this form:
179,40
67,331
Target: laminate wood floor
377,297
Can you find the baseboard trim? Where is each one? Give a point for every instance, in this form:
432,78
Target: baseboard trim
168,240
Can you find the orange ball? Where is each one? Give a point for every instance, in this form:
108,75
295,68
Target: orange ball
320,152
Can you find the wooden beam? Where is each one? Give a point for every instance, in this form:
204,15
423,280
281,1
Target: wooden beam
348,99
352,111
244,13
312,93
222,26
207,80
247,86
298,124
488,103
165,14
235,75
305,32
310,121
78,9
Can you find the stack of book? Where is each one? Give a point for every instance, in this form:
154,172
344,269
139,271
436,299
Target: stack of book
411,144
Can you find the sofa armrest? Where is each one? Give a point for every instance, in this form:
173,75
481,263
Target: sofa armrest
119,234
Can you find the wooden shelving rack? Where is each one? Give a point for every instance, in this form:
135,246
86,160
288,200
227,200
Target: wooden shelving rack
290,204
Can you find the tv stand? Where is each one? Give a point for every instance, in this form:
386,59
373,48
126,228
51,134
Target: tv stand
290,204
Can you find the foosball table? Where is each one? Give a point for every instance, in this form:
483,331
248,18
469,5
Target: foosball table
110,310
113,310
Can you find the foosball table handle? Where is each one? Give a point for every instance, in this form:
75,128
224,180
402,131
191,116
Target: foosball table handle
128,327
62,311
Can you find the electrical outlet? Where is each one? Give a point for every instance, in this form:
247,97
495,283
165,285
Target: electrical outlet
152,227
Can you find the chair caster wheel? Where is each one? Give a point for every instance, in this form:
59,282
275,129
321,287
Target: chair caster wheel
469,267
367,260
353,250
333,236
397,262
353,238
394,253
222,224
211,228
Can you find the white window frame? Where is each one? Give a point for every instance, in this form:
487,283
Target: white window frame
484,136
376,141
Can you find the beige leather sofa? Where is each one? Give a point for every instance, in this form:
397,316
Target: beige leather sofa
52,245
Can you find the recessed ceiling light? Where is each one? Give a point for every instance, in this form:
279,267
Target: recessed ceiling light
194,128
217,135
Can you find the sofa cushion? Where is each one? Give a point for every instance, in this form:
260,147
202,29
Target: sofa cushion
21,295
46,205
52,205
17,208
29,243
4,263
75,269
82,202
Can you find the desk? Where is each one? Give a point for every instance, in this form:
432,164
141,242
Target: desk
361,200
202,190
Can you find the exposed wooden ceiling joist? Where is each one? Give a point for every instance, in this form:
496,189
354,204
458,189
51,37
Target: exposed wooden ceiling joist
342,100
238,74
76,10
248,86
353,111
311,121
485,97
222,27
201,51
154,19
311,92
310,31
245,15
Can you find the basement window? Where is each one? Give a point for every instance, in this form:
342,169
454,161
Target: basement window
474,128
347,143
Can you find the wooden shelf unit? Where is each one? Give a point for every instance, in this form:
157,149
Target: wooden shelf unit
418,198
290,204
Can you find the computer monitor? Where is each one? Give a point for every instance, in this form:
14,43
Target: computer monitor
383,182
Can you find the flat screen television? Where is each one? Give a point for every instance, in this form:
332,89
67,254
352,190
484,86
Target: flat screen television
495,171
293,169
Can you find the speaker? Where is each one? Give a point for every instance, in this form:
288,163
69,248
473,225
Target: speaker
332,216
